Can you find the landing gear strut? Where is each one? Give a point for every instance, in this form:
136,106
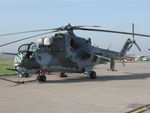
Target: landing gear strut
92,75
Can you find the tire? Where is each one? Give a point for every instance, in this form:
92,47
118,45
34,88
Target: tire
62,75
92,75
41,78
26,75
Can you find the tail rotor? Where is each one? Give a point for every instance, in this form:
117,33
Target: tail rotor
133,41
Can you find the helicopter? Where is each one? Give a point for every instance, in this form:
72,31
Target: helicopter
65,52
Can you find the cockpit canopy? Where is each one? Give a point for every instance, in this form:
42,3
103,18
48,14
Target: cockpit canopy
27,47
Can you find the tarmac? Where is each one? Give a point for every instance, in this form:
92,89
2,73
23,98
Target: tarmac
120,91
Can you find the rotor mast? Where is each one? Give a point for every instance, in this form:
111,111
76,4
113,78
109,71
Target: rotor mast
69,29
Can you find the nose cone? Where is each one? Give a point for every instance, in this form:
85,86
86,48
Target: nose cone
18,59
26,62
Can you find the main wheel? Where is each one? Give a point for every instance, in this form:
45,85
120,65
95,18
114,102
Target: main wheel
92,75
41,78
62,75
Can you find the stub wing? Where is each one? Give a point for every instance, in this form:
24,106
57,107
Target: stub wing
102,59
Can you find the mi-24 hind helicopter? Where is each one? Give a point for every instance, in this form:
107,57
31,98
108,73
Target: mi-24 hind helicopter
65,52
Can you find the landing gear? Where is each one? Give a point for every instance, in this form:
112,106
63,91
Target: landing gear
41,78
112,65
92,75
62,75
26,75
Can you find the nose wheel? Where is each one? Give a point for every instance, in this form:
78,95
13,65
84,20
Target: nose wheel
92,75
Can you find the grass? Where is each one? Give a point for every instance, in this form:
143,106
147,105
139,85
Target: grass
6,62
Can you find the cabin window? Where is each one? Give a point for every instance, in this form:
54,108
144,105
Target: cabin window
73,44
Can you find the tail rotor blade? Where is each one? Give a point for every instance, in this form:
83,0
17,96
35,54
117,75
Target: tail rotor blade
130,47
133,30
134,42
137,46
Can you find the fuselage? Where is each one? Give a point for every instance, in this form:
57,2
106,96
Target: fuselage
60,53
63,52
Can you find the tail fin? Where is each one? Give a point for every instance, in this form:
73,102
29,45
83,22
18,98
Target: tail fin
125,47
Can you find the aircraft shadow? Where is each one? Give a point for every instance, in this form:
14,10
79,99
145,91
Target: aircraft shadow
5,79
102,78
87,79
17,82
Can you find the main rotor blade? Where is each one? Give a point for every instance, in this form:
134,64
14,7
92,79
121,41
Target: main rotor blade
23,32
110,31
26,38
40,30
85,26
9,53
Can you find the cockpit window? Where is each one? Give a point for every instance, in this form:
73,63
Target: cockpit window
23,48
33,47
27,47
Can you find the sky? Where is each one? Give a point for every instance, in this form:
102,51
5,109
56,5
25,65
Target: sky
22,15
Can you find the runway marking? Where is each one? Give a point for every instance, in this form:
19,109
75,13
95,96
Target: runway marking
141,109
